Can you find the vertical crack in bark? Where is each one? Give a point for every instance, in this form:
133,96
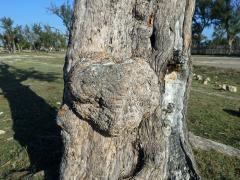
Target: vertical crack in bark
140,162
153,39
192,168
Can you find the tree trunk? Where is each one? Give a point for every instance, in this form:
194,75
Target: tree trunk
13,48
127,77
230,45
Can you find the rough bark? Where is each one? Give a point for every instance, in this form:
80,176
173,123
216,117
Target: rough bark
127,76
207,145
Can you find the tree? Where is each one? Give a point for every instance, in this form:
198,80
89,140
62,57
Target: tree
64,12
8,35
226,15
202,18
20,40
218,38
30,36
35,37
127,77
51,39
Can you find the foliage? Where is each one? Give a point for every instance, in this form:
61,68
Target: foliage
225,15
36,37
201,19
8,34
64,12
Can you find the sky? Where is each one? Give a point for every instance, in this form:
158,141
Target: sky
31,11
35,11
208,32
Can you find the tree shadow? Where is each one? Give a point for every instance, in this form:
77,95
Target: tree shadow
232,112
34,122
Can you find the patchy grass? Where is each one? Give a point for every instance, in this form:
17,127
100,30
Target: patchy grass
217,166
30,91
213,116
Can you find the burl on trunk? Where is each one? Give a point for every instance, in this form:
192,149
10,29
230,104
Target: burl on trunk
127,76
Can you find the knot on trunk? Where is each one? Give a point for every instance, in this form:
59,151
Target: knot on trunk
114,97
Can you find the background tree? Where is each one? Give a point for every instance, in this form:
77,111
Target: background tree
50,39
64,12
30,37
226,15
37,37
202,18
218,38
8,34
20,40
127,77
37,32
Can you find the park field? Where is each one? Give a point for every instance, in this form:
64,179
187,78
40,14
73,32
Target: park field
31,87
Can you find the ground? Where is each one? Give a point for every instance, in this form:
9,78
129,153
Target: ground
218,61
31,91
214,114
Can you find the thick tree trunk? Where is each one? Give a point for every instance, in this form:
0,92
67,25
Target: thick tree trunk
127,77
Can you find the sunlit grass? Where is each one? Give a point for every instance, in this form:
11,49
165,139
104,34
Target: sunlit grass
31,88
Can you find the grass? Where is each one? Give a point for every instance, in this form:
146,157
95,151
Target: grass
212,116
215,166
217,118
30,91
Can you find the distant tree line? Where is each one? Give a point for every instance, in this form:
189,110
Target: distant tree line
37,37
224,17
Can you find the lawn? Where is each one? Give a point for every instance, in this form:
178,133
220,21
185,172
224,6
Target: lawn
214,114
31,91
31,88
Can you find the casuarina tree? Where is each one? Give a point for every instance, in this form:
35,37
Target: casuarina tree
202,19
225,15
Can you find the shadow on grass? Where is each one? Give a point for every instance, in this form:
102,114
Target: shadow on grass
34,122
232,112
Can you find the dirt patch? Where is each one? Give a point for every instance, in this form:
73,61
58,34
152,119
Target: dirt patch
216,94
221,62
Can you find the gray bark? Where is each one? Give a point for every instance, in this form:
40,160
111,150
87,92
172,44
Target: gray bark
127,76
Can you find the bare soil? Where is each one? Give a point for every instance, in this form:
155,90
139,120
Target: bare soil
214,61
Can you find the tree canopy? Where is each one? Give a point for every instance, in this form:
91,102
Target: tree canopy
223,16
64,12
34,37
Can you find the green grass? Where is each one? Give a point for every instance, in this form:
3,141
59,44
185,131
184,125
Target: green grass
215,166
212,116
31,88
217,118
